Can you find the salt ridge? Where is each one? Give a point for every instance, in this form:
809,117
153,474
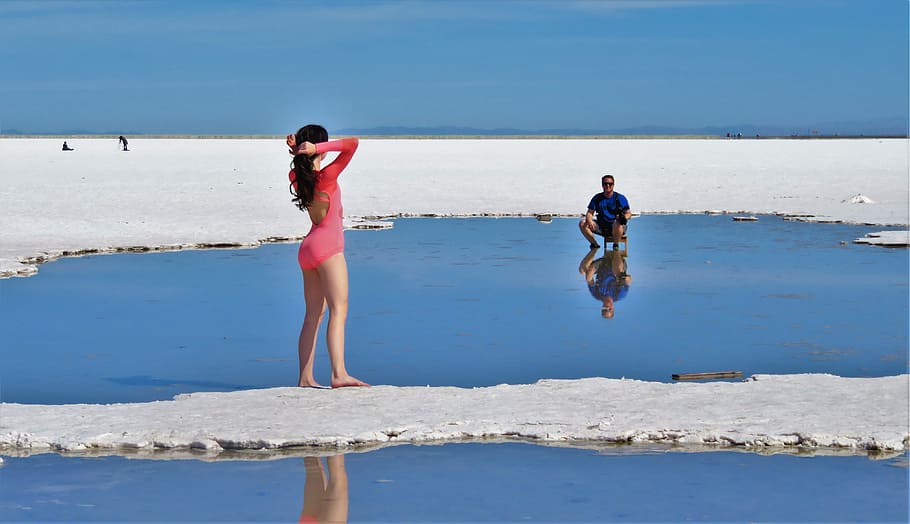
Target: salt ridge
766,411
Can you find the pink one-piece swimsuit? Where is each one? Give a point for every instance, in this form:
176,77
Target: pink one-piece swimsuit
326,238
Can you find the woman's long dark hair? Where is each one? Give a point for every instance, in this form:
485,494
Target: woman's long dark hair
304,184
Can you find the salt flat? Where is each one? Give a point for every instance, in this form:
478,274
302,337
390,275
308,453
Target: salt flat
766,411
179,193
172,194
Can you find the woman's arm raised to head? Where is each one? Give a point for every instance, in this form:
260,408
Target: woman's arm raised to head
346,148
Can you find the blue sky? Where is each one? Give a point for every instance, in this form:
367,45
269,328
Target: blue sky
265,67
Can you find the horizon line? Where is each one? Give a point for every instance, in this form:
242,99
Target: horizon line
605,136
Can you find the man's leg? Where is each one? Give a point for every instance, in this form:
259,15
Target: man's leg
589,234
618,230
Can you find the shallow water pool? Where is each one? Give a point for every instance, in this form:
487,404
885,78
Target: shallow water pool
466,302
492,482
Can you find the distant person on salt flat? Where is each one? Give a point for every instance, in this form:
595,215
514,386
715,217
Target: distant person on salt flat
122,140
66,147
607,278
612,212
321,254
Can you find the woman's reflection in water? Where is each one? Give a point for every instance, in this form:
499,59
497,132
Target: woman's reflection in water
607,277
325,499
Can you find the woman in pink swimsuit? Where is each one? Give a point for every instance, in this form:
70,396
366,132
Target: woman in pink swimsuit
321,255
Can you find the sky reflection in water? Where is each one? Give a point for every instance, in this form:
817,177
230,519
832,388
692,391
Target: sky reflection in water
509,482
465,302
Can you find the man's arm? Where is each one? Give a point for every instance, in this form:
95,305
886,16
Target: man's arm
624,216
589,218
625,213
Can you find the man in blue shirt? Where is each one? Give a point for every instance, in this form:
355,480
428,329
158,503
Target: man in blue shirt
612,210
607,278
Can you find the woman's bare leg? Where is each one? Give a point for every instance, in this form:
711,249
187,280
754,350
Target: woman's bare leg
335,508
314,488
315,310
334,275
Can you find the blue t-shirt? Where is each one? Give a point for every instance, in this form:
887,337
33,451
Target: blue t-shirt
607,284
608,209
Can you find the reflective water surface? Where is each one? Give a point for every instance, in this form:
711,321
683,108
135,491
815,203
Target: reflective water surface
466,302
461,483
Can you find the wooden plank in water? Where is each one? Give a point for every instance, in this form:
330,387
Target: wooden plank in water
707,375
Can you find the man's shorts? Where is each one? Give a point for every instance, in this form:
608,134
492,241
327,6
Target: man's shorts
608,227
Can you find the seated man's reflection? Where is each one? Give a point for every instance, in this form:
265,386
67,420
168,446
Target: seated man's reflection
607,278
325,498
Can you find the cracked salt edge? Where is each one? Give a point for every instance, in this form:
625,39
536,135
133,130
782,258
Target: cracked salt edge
28,266
765,413
886,239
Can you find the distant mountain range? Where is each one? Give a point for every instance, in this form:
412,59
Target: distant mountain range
897,126
71,132
882,127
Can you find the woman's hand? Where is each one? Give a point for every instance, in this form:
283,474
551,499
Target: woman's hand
292,144
307,148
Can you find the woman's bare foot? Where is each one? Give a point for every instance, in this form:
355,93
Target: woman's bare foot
347,381
309,384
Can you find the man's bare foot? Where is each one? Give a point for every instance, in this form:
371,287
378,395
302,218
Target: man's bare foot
310,384
347,381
